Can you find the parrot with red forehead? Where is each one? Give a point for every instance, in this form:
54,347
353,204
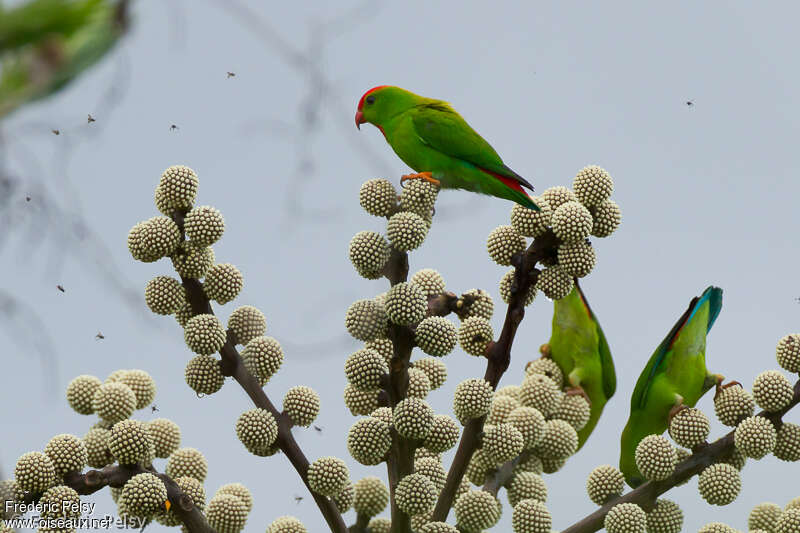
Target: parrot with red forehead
434,140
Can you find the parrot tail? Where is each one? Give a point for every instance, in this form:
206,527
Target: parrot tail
514,190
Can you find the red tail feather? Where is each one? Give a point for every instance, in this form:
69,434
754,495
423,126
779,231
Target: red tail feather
511,183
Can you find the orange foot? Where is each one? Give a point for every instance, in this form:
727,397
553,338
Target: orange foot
720,387
427,176
578,391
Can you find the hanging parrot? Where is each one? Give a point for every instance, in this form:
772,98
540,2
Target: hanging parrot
431,138
579,348
675,377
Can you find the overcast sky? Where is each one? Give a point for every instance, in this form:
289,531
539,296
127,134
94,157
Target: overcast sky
708,193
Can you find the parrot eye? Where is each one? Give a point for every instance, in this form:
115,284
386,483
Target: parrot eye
370,99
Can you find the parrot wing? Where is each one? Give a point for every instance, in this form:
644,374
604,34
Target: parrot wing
606,362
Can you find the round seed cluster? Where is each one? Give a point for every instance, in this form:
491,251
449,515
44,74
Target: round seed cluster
431,468
736,459
114,402
531,223
370,496
418,196
377,197
429,281
772,391
732,404
505,289
97,453
204,225
478,467
418,384
257,429
238,490
436,336
246,323
166,436
472,399
502,405
477,510
366,320
438,527
164,295
572,222
369,440
574,410
204,334
383,413
80,392
764,516
369,252
344,500
143,386
787,444
192,261
177,187
405,304
187,462
604,482
474,335
503,242
509,390
531,516
286,524
689,427
788,352
364,369
530,463
655,457
223,283
789,521
67,452
793,504
413,418
204,375
263,357
530,423
226,513
360,402
559,440
153,239
607,217
665,517
130,441
379,525
717,527
546,367
626,518
406,231
301,403
554,282
143,495
719,484
577,259
592,185
541,392
415,494
385,347
526,485
502,442
328,476
34,472
755,437
435,370
443,434
60,502
557,196
481,305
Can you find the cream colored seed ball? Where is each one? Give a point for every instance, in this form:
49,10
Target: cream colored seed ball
328,475
97,453
755,437
143,495
34,472
503,242
204,375
772,391
160,237
419,386
406,231
577,259
166,436
719,484
443,435
477,510
226,513
370,496
665,517
529,222
379,525
223,283
67,452
369,440
509,390
415,494
572,222
558,195
178,184
130,442
187,462
164,295
80,392
793,504
405,304
302,404
530,422
655,457
431,468
191,260
541,392
385,347
360,402
238,490
689,427
764,516
183,314
733,404
429,281
143,386
262,357
474,335
60,502
472,399
418,196
364,369
377,197
369,251
365,320
502,442
789,522
505,289
246,323
531,516
531,463
344,500
502,406
286,524
604,482
477,468
546,367
114,402
554,282
136,244
525,486
559,440
573,409
422,453
481,305
413,418
626,518
717,527
204,225
162,204
435,370
257,429
787,352
736,459
438,527
592,185
384,414
787,443
436,336
606,218
204,334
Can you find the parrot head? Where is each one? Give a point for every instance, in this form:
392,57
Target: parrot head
381,103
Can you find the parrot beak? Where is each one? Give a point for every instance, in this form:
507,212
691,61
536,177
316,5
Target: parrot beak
359,119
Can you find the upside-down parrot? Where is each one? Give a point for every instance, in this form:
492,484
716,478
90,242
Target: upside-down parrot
675,377
435,141
579,348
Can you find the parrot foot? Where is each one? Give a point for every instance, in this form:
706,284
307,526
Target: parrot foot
427,176
544,349
578,391
721,387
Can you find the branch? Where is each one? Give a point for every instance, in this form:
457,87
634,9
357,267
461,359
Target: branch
645,495
499,357
501,476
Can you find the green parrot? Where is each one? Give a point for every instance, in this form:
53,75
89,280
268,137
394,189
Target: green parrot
675,377
431,138
579,348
